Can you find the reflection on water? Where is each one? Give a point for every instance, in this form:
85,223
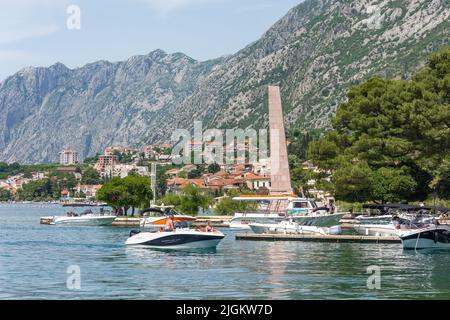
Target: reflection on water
34,261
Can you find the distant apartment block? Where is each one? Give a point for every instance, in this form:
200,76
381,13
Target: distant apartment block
69,157
105,163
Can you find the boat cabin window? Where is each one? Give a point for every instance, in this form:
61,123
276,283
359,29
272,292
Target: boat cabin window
300,205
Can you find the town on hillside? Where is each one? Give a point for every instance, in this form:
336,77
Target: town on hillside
74,179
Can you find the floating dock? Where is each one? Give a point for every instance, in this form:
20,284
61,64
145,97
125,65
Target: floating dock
216,221
317,238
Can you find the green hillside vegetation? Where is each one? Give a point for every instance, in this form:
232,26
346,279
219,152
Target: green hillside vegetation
391,140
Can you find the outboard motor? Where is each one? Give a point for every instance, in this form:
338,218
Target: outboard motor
134,232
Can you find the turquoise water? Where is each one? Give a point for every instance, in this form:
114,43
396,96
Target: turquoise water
34,260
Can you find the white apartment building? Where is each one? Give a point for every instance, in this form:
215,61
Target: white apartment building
69,157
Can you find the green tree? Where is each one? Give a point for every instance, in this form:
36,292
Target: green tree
183,174
130,192
195,174
114,193
92,160
90,176
139,190
192,199
228,206
213,168
170,199
5,195
391,134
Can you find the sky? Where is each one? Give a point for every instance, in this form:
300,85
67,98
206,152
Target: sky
76,32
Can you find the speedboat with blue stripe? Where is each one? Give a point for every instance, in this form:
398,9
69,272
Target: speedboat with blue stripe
180,239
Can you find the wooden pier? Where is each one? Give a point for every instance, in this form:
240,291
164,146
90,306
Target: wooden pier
202,221
317,238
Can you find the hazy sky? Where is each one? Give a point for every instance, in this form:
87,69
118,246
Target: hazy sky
36,33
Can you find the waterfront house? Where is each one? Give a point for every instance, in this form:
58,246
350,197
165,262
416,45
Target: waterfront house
89,190
65,195
256,182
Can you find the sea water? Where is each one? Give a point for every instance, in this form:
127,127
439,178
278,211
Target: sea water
52,262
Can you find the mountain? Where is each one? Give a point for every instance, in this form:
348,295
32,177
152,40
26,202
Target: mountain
315,53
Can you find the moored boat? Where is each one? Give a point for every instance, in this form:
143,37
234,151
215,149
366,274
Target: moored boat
87,218
291,227
273,209
179,239
395,219
430,237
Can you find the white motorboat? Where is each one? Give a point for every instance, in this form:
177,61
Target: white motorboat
157,218
275,209
88,218
430,237
290,227
368,219
377,229
179,239
395,219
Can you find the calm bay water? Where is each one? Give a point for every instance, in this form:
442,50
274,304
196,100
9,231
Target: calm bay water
34,259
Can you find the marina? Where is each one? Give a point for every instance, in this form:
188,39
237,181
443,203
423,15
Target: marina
235,270
218,161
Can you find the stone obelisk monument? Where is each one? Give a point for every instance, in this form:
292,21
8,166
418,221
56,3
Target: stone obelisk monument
279,163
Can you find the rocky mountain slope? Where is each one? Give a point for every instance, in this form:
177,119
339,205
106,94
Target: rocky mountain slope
318,50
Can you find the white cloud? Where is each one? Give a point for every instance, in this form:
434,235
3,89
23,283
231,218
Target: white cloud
25,19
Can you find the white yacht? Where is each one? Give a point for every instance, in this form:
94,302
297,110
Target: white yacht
273,209
291,227
87,218
180,239
393,219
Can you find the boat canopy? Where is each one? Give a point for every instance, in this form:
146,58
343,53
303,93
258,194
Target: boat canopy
404,207
152,210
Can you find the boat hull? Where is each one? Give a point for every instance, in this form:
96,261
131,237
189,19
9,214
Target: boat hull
83,221
178,240
377,230
437,237
293,228
243,222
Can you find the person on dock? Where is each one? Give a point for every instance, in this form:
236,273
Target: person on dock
169,227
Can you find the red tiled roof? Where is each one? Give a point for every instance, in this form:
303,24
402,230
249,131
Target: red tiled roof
253,177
